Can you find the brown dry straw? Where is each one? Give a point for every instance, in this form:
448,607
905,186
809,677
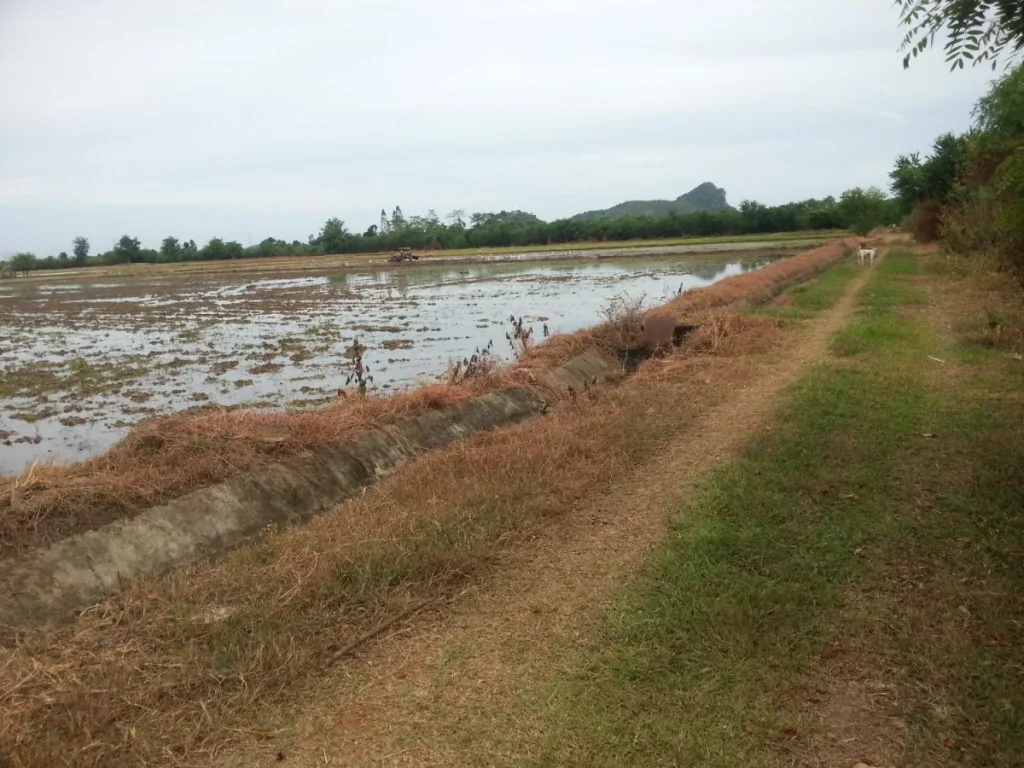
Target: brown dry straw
169,456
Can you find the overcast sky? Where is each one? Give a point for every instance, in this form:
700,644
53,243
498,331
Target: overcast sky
252,118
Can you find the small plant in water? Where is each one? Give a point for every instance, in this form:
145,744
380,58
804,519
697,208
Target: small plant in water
360,373
480,363
519,337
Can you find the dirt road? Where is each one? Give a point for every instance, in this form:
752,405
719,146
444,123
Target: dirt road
447,687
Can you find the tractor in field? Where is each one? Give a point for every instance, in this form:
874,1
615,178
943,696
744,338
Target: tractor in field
403,255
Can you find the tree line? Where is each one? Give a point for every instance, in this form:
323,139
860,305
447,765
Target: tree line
970,189
858,209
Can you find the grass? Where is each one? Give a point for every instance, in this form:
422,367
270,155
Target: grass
806,300
873,537
188,685
758,287
185,686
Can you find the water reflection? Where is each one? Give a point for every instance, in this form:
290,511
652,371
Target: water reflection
113,353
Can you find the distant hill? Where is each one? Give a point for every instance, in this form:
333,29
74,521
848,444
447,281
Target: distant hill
703,197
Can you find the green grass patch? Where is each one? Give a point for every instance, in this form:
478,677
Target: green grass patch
704,660
815,296
883,323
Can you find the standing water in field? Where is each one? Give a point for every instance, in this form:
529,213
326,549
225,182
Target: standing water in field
82,361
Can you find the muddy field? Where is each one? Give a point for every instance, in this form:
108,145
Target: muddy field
83,360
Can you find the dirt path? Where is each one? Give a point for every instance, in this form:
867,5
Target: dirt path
447,690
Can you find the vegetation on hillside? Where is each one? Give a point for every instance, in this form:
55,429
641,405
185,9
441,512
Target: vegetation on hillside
703,197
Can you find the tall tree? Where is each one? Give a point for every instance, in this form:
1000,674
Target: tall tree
385,225
127,250
332,238
80,247
907,180
862,209
999,114
977,30
942,168
218,250
170,249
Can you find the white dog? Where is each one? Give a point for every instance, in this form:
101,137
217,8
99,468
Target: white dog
868,253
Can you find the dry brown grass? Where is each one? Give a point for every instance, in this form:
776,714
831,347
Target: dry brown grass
175,669
728,333
153,677
169,456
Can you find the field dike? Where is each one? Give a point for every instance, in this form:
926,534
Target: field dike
50,584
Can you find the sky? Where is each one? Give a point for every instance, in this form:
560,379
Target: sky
245,119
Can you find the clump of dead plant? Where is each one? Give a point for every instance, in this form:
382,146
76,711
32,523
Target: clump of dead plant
359,372
481,363
730,333
623,321
519,337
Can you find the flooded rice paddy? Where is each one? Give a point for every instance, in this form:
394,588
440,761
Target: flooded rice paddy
83,360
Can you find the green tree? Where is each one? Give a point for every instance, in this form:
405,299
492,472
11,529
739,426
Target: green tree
907,180
127,250
988,211
80,247
863,209
943,167
170,249
23,262
977,30
218,250
934,179
333,237
999,114
397,218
